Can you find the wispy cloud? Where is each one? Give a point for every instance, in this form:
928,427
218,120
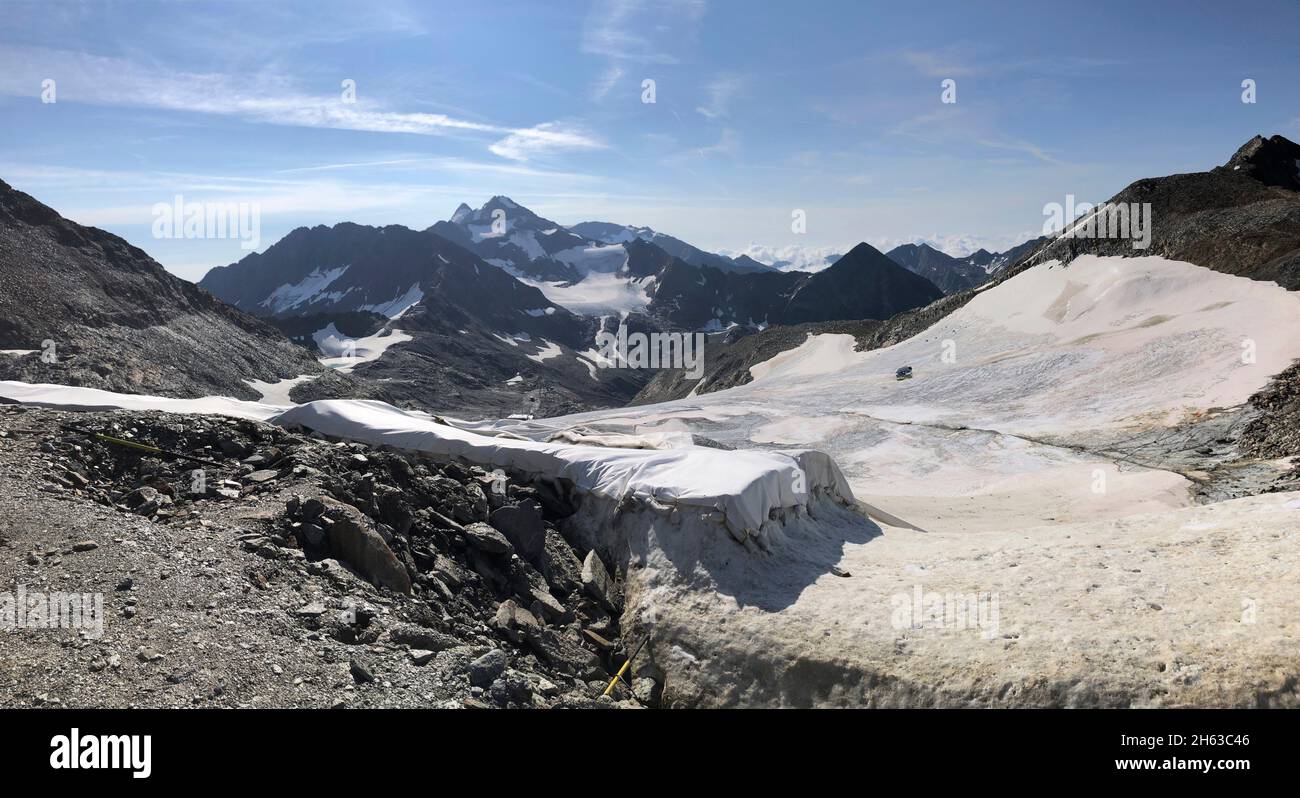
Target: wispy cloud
544,139
1025,147
645,31
606,82
938,65
728,144
453,165
933,125
966,61
98,80
720,92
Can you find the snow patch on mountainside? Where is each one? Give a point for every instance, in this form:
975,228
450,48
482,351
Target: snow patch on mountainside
594,259
289,296
598,293
548,351
277,393
394,308
344,354
513,339
819,354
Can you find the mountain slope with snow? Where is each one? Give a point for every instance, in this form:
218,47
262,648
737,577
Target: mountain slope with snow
600,269
470,338
1240,218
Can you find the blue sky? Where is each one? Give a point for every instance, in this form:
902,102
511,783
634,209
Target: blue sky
761,108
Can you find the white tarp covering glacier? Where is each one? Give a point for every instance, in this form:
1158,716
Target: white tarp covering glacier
744,486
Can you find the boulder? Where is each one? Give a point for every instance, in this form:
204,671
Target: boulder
352,540
564,651
514,622
420,638
597,583
485,670
139,496
560,566
487,539
546,606
522,525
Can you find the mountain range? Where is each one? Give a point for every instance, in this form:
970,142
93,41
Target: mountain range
953,274
496,310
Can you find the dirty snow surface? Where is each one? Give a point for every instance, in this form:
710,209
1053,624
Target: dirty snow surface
983,437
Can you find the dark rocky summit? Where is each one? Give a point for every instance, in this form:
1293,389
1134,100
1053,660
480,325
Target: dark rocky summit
948,273
1241,218
863,284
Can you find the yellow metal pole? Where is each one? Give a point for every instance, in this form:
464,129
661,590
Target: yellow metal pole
623,669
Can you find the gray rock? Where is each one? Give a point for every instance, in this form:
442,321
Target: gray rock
522,525
564,651
646,688
484,670
514,622
486,539
478,500
312,508
421,656
515,686
233,448
313,534
449,572
560,566
546,606
596,581
139,496
361,671
155,504
417,637
352,540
